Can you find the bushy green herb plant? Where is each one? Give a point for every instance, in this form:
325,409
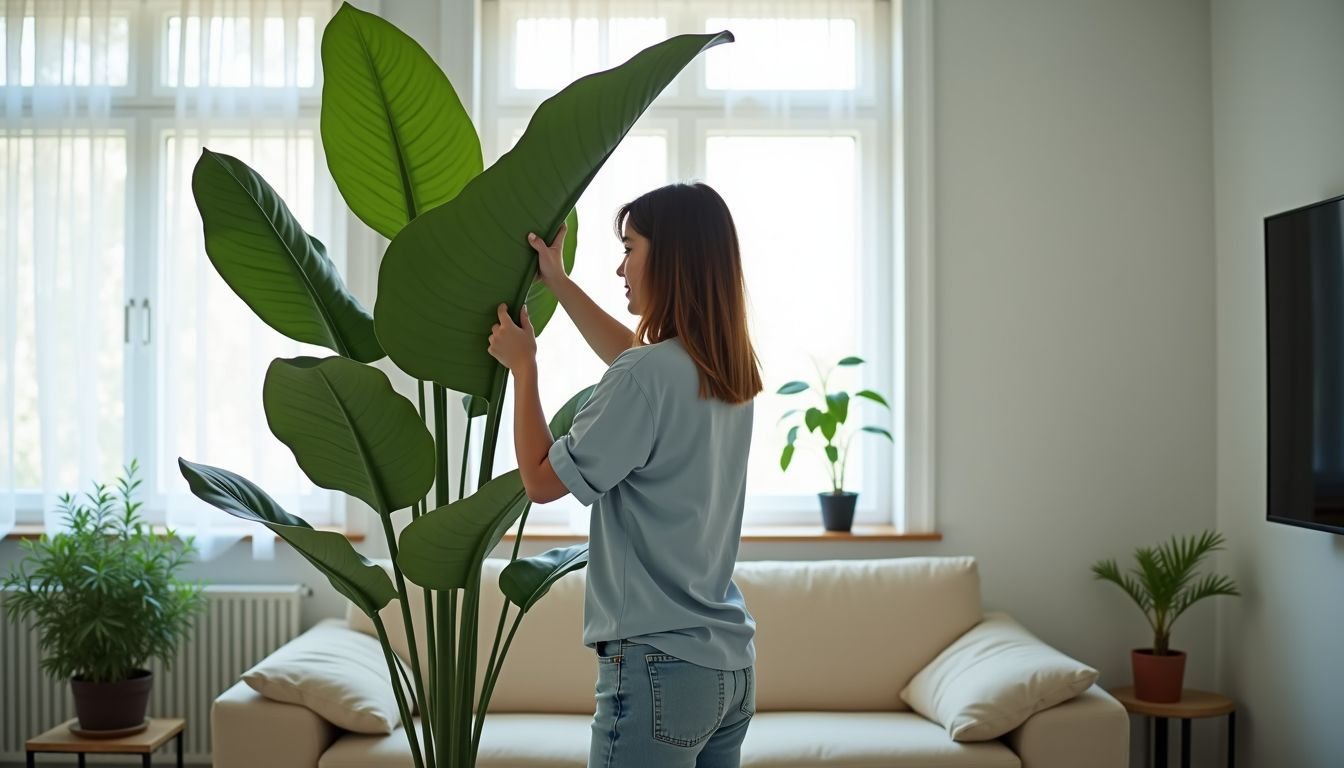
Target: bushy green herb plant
104,595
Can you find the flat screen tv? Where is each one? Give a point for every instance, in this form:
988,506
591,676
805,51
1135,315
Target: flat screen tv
1304,303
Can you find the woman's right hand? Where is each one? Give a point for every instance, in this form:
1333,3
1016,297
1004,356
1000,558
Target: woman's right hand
550,261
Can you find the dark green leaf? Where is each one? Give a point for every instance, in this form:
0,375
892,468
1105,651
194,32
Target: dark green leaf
445,273
528,579
541,303
793,434
792,388
276,268
812,418
786,457
349,430
838,406
475,406
563,419
879,431
832,453
365,584
444,548
851,361
397,139
871,395
828,425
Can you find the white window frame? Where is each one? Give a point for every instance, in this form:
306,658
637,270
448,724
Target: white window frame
690,119
143,110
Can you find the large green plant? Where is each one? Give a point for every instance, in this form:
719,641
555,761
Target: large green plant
408,162
1164,583
104,594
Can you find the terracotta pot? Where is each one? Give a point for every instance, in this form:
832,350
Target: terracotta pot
837,510
112,706
1158,678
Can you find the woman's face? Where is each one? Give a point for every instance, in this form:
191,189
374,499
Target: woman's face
632,268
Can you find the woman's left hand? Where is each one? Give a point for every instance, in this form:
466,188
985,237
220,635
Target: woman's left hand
511,345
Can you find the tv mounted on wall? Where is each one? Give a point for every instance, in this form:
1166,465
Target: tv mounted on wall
1304,335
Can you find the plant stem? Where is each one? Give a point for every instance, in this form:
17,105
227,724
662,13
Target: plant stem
490,668
489,688
446,727
426,708
406,615
406,722
443,679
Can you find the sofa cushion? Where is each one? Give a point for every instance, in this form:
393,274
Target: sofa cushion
848,635
548,669
902,611
774,740
338,674
992,679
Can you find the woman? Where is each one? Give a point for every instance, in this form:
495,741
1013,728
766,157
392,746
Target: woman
660,452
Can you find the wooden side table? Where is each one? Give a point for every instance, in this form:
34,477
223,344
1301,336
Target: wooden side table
1193,704
60,739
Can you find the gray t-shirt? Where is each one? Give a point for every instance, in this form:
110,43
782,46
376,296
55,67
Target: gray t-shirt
666,475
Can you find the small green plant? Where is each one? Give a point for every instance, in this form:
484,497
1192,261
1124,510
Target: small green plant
104,596
829,419
1164,583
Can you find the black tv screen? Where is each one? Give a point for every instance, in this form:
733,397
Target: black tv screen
1304,292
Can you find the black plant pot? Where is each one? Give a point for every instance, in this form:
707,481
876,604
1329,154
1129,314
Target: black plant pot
837,510
112,706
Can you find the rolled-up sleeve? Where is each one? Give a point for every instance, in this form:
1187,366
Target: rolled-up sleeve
612,436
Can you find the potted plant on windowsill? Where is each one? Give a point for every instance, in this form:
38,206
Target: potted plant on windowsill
1164,586
105,598
837,505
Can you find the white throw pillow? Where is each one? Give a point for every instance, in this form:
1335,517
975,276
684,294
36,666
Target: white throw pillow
991,679
340,674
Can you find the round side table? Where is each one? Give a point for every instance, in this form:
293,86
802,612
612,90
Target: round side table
1193,704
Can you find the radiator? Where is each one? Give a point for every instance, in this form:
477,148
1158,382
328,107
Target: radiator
240,626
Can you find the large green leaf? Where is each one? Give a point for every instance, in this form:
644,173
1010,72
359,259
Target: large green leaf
541,303
276,268
444,548
350,430
397,139
366,584
528,579
564,418
445,273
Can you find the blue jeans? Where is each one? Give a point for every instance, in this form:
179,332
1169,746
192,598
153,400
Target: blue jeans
658,711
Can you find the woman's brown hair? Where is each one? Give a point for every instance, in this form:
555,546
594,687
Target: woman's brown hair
694,285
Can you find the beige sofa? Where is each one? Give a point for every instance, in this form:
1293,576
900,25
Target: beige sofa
836,643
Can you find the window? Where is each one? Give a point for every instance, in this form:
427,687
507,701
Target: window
805,81
118,325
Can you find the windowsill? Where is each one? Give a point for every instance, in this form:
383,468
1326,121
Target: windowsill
35,530
775,533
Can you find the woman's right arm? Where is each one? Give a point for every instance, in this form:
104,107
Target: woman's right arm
605,334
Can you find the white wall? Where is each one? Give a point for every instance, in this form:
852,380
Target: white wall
1075,312
1278,144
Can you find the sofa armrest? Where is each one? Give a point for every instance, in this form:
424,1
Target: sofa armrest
251,731
1091,729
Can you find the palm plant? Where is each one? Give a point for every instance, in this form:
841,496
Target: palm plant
1164,584
407,161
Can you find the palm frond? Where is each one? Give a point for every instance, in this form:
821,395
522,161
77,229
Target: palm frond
1180,556
1211,585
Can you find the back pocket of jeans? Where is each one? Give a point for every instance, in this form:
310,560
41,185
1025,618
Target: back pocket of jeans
748,707
687,700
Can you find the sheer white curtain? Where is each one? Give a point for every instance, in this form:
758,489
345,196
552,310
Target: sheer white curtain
63,165
243,78
787,124
118,339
